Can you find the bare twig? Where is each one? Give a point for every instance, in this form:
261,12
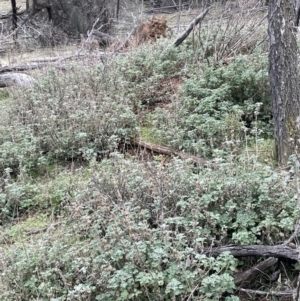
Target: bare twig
90,32
298,289
277,251
247,35
294,235
190,27
59,272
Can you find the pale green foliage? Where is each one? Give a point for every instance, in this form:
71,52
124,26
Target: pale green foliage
136,232
131,230
18,195
66,115
215,107
144,75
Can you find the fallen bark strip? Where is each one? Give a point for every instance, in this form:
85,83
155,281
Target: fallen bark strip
255,271
287,293
278,251
191,26
171,152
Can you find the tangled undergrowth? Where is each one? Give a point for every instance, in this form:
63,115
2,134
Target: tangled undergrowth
137,231
117,228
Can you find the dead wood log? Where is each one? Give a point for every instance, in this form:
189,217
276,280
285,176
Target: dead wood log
287,293
21,68
277,251
42,60
16,79
53,62
249,275
190,27
171,152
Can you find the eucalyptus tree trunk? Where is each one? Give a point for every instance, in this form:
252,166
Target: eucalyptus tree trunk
284,79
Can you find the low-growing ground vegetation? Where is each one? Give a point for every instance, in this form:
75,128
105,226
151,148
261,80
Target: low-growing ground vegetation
84,217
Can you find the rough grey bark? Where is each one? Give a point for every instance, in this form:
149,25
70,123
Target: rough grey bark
255,271
14,14
279,251
287,293
283,76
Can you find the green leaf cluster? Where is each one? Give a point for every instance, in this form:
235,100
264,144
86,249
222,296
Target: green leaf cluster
139,231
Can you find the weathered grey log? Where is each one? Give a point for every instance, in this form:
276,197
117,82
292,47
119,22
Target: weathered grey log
16,79
253,272
287,293
21,68
43,60
55,62
278,251
191,26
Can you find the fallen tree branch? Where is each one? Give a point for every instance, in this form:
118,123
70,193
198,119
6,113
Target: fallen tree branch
255,271
53,62
21,68
171,152
288,293
278,251
190,27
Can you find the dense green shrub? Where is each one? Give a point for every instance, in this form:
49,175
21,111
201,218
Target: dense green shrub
66,115
128,230
137,232
23,193
216,106
144,74
18,146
